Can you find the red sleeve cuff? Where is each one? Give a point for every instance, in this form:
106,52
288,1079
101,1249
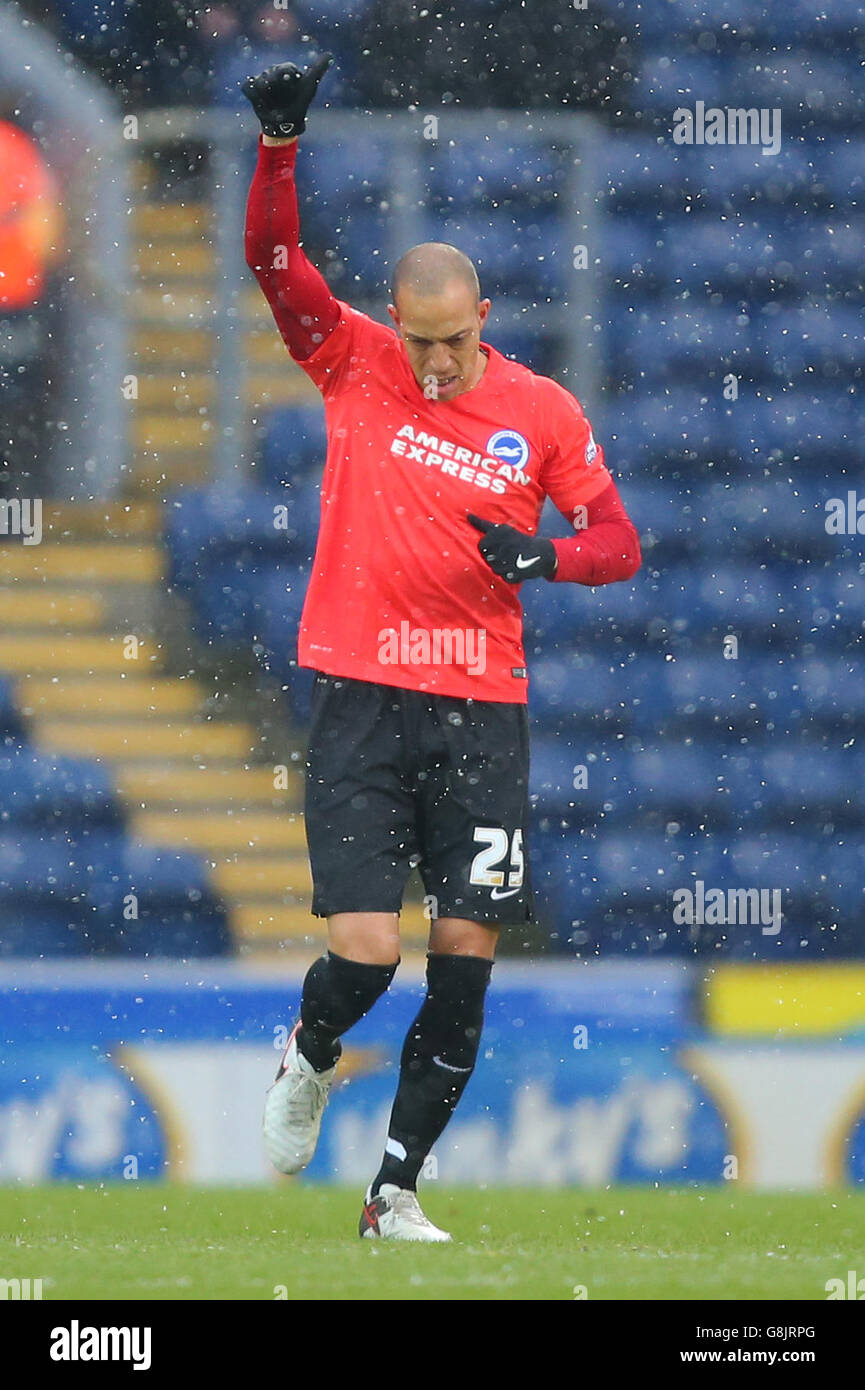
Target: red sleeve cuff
612,553
573,565
276,156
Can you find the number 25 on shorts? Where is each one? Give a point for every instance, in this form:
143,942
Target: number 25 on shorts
485,872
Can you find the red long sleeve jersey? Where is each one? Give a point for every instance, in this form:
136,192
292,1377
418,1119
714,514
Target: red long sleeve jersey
399,592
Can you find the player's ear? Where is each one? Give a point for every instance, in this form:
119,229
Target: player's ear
394,313
484,307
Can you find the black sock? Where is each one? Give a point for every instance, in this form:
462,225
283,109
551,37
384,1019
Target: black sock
336,995
437,1060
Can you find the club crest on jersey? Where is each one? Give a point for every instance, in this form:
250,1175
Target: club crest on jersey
510,447
591,448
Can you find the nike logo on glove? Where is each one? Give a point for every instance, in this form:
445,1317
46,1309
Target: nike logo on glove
502,548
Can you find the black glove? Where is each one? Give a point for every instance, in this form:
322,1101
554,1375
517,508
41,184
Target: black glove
280,96
513,555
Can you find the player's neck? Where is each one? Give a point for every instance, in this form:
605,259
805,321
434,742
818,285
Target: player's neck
480,368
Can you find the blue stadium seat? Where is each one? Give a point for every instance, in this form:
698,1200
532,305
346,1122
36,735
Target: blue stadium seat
554,615
829,603
828,253
177,914
489,170
356,245
680,783
11,727
280,605
810,338
210,527
673,342
728,516
740,695
669,79
661,424
295,442
659,21
795,424
774,859
604,892
280,601
809,87
567,691
832,692
741,177
240,601
725,253
513,254
648,867
710,784
555,764
838,169
613,894
224,600
639,171
332,14
62,866
633,251
801,780
838,879
232,69
535,350
797,21
40,930
37,790
331,173
705,604
297,681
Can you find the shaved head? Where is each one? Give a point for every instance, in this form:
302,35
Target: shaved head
439,315
431,268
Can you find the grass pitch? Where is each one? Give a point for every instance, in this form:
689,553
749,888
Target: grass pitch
148,1241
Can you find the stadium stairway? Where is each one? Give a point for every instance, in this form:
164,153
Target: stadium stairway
89,670
82,645
173,338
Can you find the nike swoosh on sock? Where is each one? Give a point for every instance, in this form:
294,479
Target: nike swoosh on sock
447,1066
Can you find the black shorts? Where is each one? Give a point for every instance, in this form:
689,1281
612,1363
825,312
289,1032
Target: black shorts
397,779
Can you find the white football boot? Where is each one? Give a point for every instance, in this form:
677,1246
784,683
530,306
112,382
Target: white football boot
395,1214
293,1109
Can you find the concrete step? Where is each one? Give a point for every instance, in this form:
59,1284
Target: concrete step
83,698
147,740
174,221
169,261
265,923
240,788
175,394
253,877
179,349
101,521
167,471
221,833
22,606
45,654
255,924
82,564
170,431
